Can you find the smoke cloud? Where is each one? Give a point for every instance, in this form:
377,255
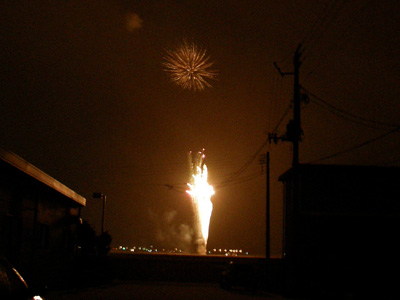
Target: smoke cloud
170,233
133,22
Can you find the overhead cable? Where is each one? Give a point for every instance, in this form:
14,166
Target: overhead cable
351,117
356,146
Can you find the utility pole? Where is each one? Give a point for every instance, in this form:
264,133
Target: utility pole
264,160
296,108
293,128
268,213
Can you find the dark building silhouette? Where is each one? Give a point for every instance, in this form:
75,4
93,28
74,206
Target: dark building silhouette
341,227
39,217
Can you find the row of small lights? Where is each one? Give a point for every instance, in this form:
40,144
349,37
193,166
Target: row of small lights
145,249
228,251
176,250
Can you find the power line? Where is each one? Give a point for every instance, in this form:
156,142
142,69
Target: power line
316,39
277,90
282,118
356,146
319,21
233,178
239,180
344,117
246,164
339,41
350,116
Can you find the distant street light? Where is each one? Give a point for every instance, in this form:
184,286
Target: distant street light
104,198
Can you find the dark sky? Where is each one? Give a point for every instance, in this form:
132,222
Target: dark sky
84,97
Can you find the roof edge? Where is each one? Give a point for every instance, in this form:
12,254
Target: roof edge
29,169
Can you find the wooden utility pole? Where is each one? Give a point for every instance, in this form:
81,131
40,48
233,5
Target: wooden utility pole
296,108
293,128
264,160
293,133
268,214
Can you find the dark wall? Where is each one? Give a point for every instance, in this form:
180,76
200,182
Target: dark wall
37,224
349,189
342,228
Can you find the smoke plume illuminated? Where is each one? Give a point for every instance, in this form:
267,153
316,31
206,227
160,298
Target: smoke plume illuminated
170,232
200,192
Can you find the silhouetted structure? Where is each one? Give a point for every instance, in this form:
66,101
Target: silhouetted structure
86,239
341,229
38,218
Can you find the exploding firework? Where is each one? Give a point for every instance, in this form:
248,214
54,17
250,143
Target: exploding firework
188,66
201,193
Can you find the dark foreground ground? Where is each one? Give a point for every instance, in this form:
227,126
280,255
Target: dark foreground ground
96,271
146,276
143,290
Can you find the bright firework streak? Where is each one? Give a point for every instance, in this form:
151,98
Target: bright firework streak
201,193
188,66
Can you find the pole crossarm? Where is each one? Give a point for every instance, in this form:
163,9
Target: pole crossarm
293,128
280,72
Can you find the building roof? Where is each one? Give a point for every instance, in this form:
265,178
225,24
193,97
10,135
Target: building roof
31,170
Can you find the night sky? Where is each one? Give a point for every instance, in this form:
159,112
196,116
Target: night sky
85,98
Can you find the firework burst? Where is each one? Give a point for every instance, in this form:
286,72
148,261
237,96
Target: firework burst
188,66
201,193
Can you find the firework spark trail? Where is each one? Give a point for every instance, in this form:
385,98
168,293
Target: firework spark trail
188,66
201,193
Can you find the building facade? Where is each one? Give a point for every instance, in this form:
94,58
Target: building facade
341,225
39,217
